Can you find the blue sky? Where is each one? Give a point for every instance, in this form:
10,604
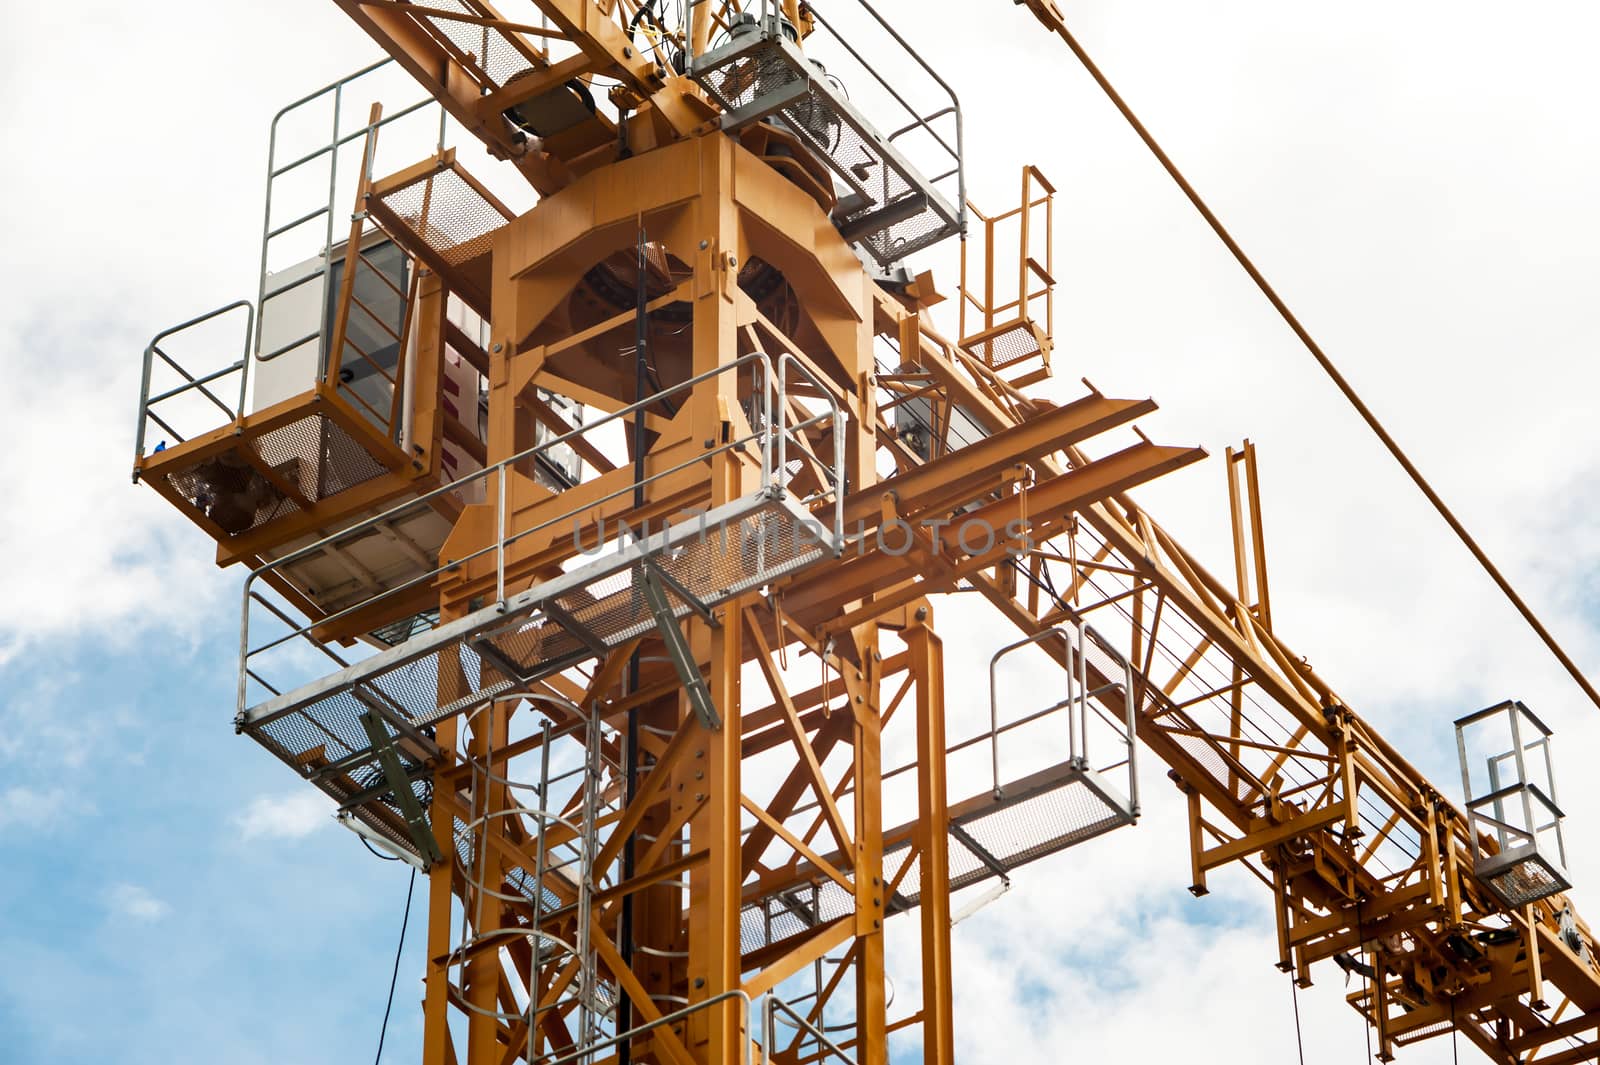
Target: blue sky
147,917
1417,179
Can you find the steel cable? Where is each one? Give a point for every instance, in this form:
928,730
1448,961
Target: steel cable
1054,22
394,977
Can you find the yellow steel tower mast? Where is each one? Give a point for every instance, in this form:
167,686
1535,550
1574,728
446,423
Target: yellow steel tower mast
591,549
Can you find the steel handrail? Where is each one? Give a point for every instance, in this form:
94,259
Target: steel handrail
153,349
1077,703
769,1031
785,360
327,210
455,564
960,150
668,1018
761,365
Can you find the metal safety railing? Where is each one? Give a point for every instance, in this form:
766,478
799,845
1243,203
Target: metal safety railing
779,429
202,380
326,211
1001,304
1055,786
918,121
196,390
896,192
826,1049
1078,703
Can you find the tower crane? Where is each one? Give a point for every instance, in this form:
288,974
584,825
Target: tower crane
594,550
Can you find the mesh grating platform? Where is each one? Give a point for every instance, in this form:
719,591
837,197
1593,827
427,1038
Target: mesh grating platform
1044,813
459,666
447,214
1005,345
314,454
1523,879
892,210
447,220
486,49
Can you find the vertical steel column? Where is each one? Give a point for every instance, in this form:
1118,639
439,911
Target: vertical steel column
715,897
872,1007
933,834
437,1048
487,733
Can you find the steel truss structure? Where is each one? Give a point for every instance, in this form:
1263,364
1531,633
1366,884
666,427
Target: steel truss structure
633,722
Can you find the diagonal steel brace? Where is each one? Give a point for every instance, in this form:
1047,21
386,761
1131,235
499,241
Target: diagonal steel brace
677,647
416,821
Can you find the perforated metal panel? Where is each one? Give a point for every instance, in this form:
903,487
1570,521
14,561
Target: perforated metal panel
1523,881
314,454
484,48
445,212
1007,345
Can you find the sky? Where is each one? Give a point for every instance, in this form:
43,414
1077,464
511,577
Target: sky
1416,179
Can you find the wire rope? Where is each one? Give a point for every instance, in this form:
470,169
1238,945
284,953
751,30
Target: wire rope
1299,1036
394,976
1322,358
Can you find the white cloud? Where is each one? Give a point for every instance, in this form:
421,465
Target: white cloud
1429,216
128,562
292,815
135,902
33,808
36,737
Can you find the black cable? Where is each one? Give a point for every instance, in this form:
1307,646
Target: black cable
1367,1022
630,748
1299,1037
394,977
376,853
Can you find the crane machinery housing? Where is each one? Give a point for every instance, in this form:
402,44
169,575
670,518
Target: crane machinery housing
593,550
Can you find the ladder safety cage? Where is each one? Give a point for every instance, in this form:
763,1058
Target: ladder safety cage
1000,317
776,1011
887,202
563,878
287,699
1508,779
1084,711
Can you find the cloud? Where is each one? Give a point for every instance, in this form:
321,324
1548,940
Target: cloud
1429,218
293,815
36,737
135,902
33,808
128,550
